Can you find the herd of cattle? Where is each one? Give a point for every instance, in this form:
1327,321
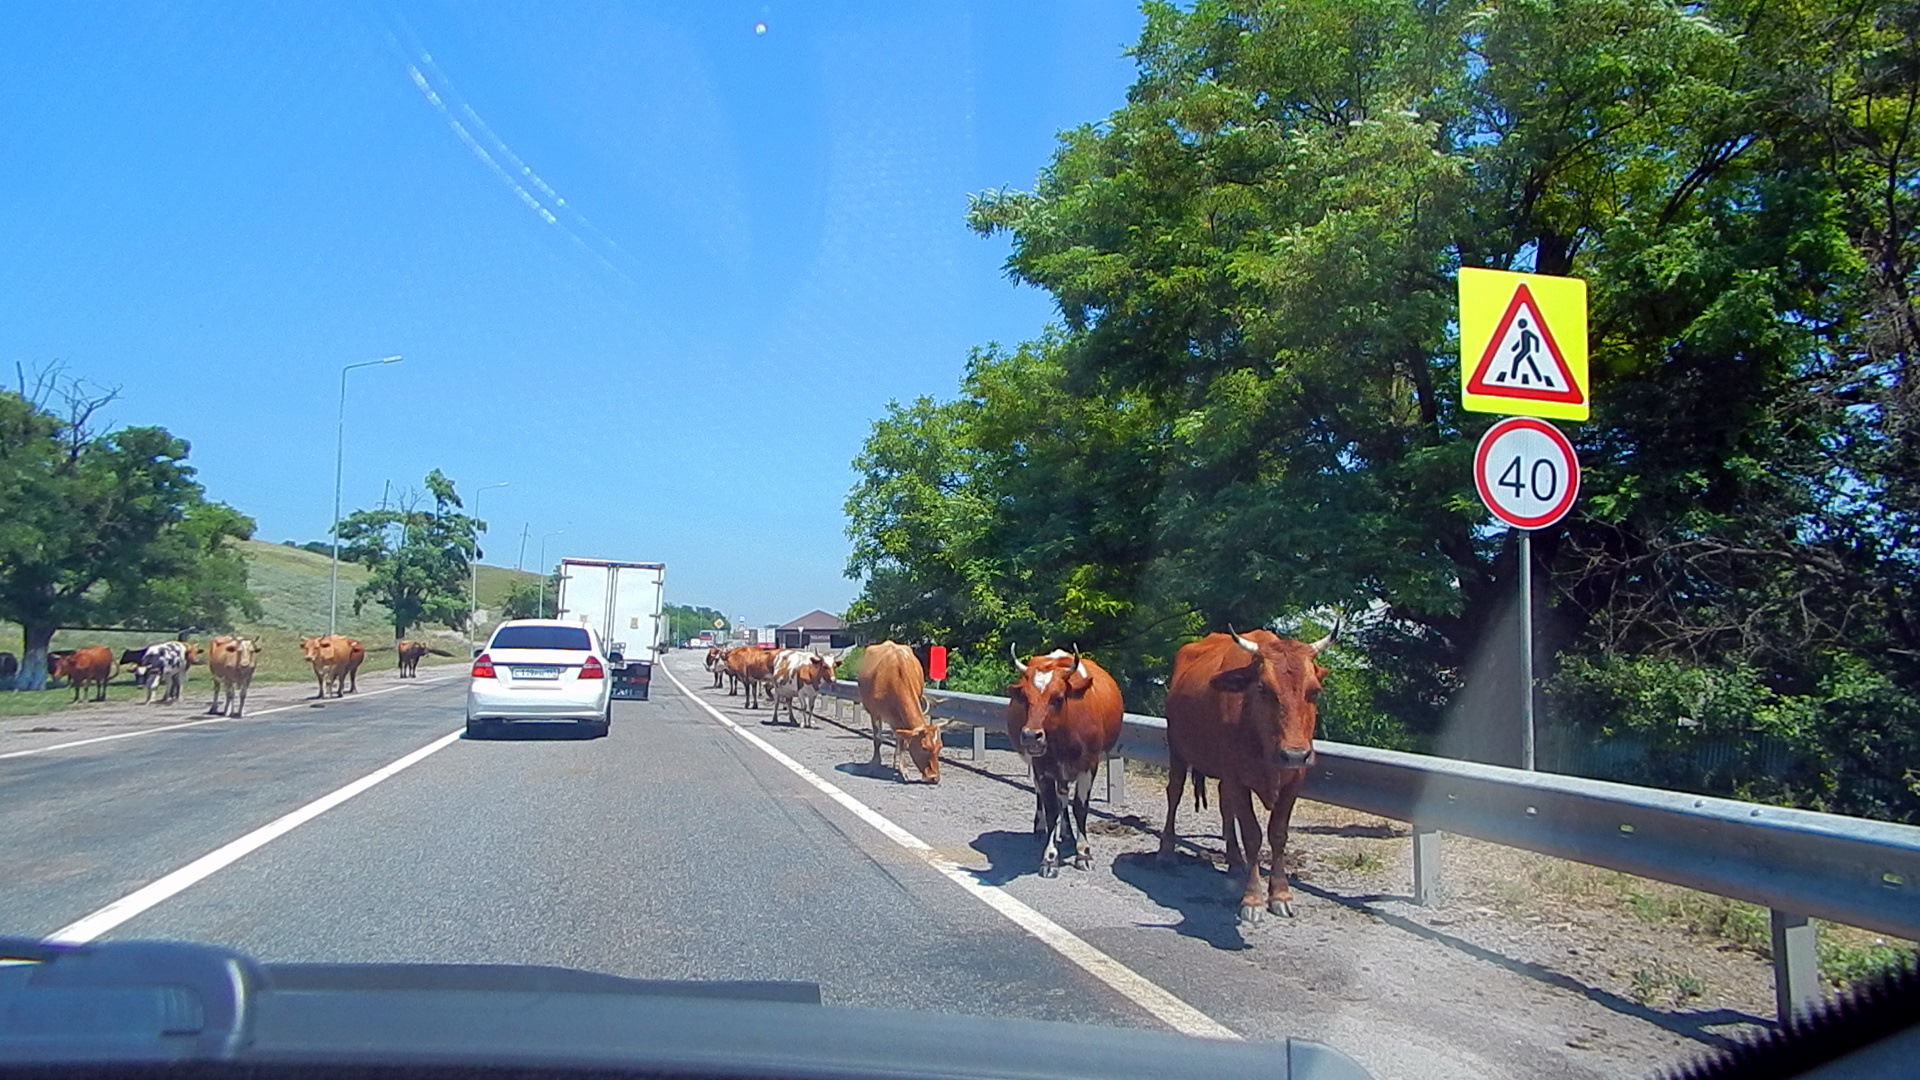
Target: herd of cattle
230,659
1241,709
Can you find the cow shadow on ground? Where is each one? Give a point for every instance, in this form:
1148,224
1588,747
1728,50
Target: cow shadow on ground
1205,898
867,770
1009,855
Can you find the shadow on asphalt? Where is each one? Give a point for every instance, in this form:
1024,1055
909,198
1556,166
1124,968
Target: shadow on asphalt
1692,1024
1191,887
866,770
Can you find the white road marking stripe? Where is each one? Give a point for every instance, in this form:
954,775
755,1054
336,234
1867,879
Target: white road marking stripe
105,919
1132,985
197,723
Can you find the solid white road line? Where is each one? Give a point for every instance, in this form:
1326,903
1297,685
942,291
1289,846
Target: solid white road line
197,723
1132,985
105,919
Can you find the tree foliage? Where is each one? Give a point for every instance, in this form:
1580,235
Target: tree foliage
417,558
685,622
1250,409
106,529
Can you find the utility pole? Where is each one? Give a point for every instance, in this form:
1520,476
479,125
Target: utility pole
339,461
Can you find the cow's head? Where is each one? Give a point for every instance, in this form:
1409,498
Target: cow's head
310,647
60,664
1044,685
1280,690
823,667
923,744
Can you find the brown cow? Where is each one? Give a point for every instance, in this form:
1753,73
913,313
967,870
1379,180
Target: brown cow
717,664
893,691
336,661
1063,715
231,661
410,653
752,666
1242,709
93,664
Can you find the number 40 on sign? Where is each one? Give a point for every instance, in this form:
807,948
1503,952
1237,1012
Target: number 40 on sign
1526,472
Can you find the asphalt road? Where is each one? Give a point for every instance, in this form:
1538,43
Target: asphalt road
675,848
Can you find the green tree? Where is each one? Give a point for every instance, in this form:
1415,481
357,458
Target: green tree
417,558
685,622
1250,410
524,600
106,529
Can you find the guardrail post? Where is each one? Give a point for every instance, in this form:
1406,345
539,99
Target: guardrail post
979,742
1116,781
1796,963
1426,866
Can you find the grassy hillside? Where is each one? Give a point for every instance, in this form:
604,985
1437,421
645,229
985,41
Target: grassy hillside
292,587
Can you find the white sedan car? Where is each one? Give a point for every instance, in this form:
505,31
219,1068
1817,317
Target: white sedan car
540,670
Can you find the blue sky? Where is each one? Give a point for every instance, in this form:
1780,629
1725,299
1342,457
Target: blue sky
692,266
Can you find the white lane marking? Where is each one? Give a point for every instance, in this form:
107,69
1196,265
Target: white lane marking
197,723
105,919
1132,985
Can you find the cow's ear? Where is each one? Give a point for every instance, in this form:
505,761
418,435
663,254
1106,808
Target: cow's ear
1079,679
1236,680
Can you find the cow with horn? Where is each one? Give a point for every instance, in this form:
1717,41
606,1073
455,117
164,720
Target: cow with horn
1063,715
1241,709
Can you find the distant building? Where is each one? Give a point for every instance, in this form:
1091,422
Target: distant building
815,629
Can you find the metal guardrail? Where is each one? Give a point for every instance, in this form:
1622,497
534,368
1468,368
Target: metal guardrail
1799,864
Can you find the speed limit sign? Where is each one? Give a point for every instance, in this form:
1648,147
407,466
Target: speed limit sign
1526,472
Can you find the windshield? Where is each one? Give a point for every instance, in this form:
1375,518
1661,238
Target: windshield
542,637
1391,523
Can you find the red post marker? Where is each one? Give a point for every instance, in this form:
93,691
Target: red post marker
936,662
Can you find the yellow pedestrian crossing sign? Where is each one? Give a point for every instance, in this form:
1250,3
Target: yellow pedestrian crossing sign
1523,344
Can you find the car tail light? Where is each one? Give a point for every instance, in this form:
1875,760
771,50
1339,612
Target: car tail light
483,667
592,669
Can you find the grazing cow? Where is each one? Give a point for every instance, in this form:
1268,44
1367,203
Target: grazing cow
1241,709
752,667
9,665
231,660
798,674
165,665
130,661
93,664
336,662
893,691
1063,715
717,665
410,654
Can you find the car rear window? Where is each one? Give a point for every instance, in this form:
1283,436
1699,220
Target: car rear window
542,637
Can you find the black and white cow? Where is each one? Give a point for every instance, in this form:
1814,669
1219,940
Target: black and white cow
165,665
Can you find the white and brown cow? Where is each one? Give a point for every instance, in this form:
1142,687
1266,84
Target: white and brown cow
798,675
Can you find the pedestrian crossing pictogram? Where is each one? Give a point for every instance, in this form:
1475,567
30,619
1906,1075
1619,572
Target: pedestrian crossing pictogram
1525,336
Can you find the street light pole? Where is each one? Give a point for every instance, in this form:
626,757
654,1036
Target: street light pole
473,568
339,460
542,609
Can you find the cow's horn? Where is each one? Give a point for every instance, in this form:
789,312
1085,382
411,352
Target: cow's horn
1331,634
1014,653
1250,646
1078,668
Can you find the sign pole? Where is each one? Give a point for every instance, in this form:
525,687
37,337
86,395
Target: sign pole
1526,649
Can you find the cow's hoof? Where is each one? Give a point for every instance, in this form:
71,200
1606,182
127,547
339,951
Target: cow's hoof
1282,908
1049,870
1083,862
1251,914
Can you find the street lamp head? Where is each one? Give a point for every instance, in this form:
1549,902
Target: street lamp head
389,360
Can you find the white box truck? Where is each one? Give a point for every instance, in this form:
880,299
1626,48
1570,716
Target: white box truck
625,602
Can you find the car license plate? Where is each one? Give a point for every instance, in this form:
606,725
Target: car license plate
535,672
